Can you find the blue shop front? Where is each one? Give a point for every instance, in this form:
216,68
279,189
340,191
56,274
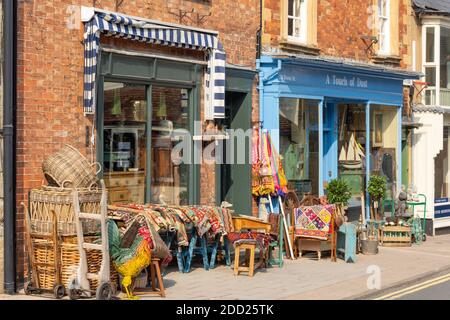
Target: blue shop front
334,119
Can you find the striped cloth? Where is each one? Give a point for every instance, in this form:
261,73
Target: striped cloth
130,28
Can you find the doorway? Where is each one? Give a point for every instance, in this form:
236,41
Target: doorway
233,176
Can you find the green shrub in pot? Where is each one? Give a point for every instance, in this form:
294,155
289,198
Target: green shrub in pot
339,194
377,190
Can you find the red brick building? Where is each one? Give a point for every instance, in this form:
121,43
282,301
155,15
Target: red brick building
50,75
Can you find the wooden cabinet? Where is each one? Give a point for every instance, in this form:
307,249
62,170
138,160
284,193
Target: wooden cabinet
125,187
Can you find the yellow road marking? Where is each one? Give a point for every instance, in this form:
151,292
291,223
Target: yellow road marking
415,288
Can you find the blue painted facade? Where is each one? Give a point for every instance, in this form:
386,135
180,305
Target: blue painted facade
330,83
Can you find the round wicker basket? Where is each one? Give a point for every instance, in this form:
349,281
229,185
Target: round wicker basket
70,169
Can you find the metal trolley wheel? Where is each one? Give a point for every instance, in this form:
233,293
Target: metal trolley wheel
59,291
104,291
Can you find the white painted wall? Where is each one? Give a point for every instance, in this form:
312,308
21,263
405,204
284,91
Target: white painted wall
428,142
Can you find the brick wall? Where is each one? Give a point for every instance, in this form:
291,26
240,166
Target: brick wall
340,25
50,74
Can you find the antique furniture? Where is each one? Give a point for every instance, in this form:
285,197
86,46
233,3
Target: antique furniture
242,222
125,186
249,246
346,242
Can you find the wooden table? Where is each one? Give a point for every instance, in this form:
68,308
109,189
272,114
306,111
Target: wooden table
246,222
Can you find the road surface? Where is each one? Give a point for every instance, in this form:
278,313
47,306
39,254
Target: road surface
435,288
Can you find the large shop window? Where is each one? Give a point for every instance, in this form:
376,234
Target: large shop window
299,144
442,172
352,146
125,147
384,144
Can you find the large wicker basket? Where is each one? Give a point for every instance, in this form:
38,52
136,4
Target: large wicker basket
47,199
69,168
43,253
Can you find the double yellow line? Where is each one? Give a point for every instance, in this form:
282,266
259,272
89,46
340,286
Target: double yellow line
415,288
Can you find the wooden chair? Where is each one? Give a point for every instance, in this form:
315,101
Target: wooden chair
319,246
249,246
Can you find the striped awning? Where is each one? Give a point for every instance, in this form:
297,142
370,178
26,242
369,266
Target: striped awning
140,30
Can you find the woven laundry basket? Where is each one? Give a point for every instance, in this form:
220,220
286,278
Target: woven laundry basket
46,199
70,169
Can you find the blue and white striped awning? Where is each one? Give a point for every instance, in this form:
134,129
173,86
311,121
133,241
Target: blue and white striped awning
131,28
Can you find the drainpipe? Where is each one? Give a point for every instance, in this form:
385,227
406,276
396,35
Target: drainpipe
9,145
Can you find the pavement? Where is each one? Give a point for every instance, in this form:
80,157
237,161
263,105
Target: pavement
309,279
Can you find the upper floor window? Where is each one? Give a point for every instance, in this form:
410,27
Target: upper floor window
296,19
384,38
436,64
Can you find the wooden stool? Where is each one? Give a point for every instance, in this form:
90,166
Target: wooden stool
155,276
249,247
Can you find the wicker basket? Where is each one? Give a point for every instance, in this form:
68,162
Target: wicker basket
46,199
43,253
69,168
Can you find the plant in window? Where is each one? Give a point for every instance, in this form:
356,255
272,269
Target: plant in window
377,190
339,194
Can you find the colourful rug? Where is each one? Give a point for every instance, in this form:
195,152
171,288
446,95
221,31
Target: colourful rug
314,222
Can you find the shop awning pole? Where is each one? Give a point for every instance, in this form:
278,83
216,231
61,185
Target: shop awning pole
367,159
399,150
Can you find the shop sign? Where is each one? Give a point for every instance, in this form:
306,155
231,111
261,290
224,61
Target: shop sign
343,81
441,200
442,210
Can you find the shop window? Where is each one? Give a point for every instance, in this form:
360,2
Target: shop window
442,174
384,144
351,146
125,146
384,38
299,144
169,125
297,20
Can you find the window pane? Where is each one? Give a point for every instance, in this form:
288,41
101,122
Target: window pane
291,7
290,27
352,146
299,144
430,76
384,143
170,126
445,66
429,44
124,141
430,97
442,176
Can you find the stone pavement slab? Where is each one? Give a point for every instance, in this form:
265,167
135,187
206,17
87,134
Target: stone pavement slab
308,278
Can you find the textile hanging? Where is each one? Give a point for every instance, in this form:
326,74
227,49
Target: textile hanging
131,28
314,221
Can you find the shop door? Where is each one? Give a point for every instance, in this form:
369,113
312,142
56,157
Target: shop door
234,179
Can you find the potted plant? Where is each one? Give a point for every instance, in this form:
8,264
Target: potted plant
339,194
377,191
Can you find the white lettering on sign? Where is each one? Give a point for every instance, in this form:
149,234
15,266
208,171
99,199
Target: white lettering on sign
343,81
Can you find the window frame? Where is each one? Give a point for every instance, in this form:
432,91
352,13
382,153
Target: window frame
432,64
302,17
386,33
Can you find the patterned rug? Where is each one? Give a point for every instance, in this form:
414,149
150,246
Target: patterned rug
314,222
